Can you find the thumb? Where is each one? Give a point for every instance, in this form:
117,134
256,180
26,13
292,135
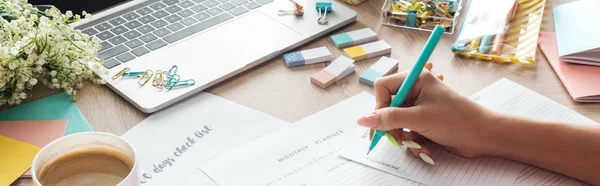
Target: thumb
390,118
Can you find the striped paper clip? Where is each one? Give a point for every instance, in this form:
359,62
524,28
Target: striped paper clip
145,77
120,73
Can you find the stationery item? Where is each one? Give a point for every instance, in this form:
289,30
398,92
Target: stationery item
90,157
577,33
356,37
579,80
175,141
323,6
369,50
513,24
411,78
120,73
159,79
304,153
172,71
180,84
146,76
383,67
56,107
354,2
322,17
133,74
335,71
422,15
15,157
306,57
298,10
503,96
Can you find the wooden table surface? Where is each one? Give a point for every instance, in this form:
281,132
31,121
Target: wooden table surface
286,93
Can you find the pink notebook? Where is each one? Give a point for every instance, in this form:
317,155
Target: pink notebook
581,81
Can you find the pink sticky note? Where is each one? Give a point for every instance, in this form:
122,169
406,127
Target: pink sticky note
35,132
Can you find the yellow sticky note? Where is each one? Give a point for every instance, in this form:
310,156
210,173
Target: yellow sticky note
356,52
15,158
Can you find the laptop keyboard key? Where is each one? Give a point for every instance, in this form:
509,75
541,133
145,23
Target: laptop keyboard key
238,11
211,3
173,18
173,9
133,24
252,5
125,57
140,51
145,29
170,2
146,19
113,52
134,43
214,11
144,11
239,2
118,30
158,6
105,45
264,2
186,13
90,31
162,32
117,21
175,26
201,16
159,23
105,35
160,14
131,16
197,27
186,4
189,21
132,34
198,1
111,63
148,37
117,40
223,1
156,44
103,27
198,8
227,6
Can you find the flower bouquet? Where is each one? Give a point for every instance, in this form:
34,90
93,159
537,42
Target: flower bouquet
38,44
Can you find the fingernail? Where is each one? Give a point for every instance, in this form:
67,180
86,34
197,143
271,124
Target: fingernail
411,144
393,140
428,66
370,121
440,77
426,158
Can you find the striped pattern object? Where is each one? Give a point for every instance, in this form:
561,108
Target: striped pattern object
354,2
521,38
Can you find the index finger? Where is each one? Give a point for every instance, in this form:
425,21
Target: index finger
387,86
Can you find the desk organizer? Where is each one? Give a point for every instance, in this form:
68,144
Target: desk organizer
520,32
422,14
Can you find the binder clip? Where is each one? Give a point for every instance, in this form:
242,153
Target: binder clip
145,77
324,7
298,10
158,80
120,73
132,74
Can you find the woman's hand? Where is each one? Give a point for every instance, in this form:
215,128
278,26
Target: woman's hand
433,112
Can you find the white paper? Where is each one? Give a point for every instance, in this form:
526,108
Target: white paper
173,143
385,65
304,154
504,96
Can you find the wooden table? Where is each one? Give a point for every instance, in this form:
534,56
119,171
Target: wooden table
286,93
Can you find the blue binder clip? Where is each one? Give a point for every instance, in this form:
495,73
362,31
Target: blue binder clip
411,18
324,6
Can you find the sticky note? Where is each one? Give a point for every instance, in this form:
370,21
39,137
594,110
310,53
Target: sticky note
356,37
338,69
56,107
15,157
354,2
306,57
384,66
369,50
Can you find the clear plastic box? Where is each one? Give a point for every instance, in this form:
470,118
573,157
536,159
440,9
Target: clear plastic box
397,18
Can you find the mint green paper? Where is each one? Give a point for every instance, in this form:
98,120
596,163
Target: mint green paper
56,107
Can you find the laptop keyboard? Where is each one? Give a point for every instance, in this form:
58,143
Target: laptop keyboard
152,25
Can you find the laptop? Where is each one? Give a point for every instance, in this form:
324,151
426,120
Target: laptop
208,40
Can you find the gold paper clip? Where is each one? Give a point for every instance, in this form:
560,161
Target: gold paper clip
120,73
145,77
158,80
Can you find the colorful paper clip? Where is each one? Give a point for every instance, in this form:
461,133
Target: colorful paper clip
120,73
158,80
172,71
184,83
172,81
145,77
132,74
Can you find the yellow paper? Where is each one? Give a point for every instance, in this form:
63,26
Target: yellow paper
15,158
355,52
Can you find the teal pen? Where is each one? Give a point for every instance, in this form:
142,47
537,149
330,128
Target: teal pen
412,77
484,46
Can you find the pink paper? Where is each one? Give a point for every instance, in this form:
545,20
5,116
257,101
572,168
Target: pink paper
580,80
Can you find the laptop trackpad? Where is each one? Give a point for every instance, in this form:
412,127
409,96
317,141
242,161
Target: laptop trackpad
229,47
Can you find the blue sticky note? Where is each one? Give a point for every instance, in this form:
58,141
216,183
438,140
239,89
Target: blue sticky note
293,59
342,40
369,76
56,107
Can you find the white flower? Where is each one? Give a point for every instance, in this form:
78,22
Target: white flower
12,65
23,95
79,85
32,81
69,91
53,73
54,80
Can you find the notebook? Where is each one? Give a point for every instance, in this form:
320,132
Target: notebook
577,32
579,80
